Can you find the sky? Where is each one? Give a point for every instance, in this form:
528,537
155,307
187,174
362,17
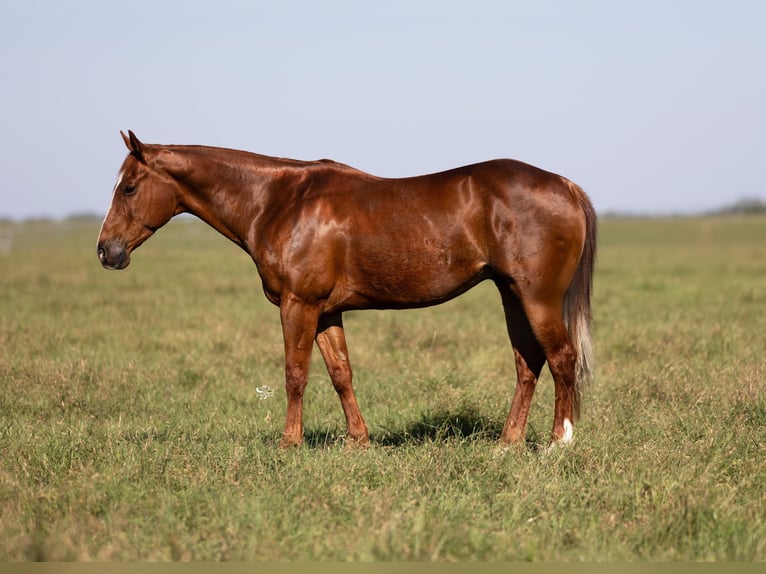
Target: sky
652,106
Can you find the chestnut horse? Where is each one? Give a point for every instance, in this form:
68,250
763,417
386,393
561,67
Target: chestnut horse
327,238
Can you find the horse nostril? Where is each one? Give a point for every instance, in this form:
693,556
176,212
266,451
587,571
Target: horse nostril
112,255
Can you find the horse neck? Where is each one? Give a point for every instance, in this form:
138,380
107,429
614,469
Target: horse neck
228,189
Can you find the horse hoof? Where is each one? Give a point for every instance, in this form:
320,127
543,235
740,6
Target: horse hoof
288,443
507,448
357,442
558,444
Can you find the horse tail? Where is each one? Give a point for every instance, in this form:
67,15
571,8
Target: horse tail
577,310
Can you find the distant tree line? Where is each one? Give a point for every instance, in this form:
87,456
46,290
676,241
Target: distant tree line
745,206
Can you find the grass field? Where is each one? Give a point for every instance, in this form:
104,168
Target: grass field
130,425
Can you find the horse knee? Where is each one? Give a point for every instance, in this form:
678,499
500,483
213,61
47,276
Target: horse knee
296,379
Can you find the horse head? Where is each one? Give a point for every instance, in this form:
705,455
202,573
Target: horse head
145,198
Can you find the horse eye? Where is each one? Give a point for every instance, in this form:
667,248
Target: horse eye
129,190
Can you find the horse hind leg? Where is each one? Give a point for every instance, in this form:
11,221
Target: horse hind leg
331,341
547,323
529,357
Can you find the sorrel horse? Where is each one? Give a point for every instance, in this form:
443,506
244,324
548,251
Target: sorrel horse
327,238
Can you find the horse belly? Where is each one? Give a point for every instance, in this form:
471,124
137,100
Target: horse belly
412,275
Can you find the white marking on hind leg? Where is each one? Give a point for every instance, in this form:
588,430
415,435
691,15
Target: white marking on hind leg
568,431
564,440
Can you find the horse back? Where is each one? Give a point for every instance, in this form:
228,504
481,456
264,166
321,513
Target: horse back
361,241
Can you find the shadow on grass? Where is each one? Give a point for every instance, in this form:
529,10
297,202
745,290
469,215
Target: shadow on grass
461,424
465,423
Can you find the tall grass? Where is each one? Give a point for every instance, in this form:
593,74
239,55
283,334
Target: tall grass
130,425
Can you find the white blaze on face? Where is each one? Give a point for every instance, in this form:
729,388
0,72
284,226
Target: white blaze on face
568,431
119,180
108,211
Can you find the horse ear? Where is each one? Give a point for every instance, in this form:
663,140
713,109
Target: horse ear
134,145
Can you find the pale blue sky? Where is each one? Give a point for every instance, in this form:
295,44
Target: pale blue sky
652,106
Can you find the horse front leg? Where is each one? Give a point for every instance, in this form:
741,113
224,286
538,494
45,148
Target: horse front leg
332,343
299,325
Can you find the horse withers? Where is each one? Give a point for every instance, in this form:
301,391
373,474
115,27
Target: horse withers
327,238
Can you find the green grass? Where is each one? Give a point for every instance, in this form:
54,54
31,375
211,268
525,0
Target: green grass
130,427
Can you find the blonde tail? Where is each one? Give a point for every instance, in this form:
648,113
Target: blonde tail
577,310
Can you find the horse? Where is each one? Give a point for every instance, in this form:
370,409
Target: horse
327,238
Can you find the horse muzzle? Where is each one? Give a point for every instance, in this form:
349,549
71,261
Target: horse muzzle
113,255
